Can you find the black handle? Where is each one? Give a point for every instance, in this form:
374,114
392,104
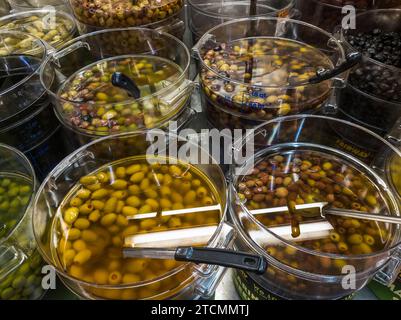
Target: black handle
122,81
222,257
352,59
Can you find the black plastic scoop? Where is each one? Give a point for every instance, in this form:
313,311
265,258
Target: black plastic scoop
352,60
122,81
213,256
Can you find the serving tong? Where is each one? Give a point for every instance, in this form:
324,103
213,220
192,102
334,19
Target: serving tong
179,244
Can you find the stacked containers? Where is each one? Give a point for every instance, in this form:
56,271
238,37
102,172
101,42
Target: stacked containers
205,14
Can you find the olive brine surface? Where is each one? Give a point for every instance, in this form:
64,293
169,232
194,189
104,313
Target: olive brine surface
97,106
97,215
301,176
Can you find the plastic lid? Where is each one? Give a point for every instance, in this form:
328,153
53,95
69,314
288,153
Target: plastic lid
55,28
124,13
21,56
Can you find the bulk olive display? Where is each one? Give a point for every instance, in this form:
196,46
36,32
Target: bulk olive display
97,215
40,23
123,13
302,176
257,79
97,106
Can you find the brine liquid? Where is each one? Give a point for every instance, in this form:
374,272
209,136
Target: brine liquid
89,247
267,61
93,83
303,176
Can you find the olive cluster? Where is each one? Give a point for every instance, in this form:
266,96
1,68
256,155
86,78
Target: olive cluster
261,79
97,217
124,13
15,194
99,107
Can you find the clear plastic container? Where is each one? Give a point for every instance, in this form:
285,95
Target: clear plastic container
372,76
79,79
181,281
4,8
203,15
27,119
20,263
252,70
54,27
106,14
27,5
306,158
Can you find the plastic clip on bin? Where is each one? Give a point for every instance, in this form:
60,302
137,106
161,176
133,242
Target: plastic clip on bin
307,163
79,77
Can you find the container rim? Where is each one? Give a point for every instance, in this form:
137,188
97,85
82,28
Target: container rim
292,244
66,162
42,45
209,33
371,60
199,8
32,174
